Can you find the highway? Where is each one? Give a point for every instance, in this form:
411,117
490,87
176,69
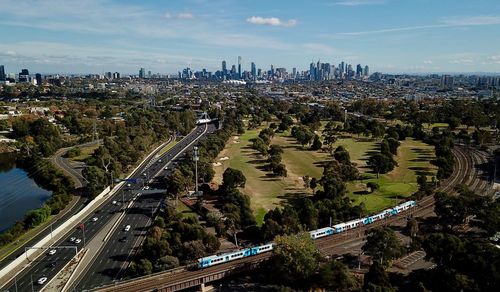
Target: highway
48,265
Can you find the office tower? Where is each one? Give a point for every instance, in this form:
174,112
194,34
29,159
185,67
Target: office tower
2,73
447,81
253,69
294,72
116,75
259,72
149,74
342,67
142,73
359,71
239,67
367,71
109,75
38,78
24,75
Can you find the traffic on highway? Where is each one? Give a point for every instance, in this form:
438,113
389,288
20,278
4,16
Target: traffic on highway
138,211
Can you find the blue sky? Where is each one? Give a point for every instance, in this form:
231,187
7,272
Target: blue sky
94,36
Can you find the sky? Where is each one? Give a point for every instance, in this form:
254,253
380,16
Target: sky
391,36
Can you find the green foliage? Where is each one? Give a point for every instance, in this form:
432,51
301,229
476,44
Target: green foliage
383,245
295,259
376,280
335,276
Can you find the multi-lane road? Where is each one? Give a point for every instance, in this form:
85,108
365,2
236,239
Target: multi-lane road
111,255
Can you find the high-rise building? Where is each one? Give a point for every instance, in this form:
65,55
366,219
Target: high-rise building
367,70
109,75
38,78
294,72
142,73
2,73
239,67
447,81
253,70
24,75
116,75
149,74
359,71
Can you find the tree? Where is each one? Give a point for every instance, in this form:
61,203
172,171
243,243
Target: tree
376,280
316,145
373,186
143,267
381,163
329,137
259,145
335,276
295,258
233,178
342,155
96,179
307,181
280,170
313,184
382,244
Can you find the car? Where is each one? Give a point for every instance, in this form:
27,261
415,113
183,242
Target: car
52,251
52,264
72,239
144,174
95,219
114,202
78,240
146,187
127,228
166,168
129,185
159,161
123,239
42,280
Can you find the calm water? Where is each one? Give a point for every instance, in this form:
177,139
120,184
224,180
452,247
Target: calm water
18,193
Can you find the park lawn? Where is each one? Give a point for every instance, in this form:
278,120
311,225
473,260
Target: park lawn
184,210
85,152
413,159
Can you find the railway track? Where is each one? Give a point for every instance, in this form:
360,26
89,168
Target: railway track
464,166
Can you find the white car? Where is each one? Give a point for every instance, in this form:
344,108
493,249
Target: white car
127,228
95,219
42,280
72,239
166,168
146,187
78,240
114,202
52,251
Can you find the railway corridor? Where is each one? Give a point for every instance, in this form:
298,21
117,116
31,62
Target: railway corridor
465,172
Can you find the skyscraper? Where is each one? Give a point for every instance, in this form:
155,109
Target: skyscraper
142,73
2,73
359,70
367,71
224,69
38,77
253,70
239,67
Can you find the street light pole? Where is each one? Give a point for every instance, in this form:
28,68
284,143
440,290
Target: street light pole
196,158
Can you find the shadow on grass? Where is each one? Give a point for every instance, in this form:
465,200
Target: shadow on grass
361,192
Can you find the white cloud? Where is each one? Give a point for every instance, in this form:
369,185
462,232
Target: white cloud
358,2
272,21
185,15
471,20
448,22
428,62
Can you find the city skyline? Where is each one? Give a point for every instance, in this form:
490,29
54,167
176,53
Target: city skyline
392,36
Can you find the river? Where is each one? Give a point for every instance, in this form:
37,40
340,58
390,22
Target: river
18,192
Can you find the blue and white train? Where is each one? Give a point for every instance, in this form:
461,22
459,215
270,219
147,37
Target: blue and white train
315,234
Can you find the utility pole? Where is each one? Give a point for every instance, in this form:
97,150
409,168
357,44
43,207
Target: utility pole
196,158
32,288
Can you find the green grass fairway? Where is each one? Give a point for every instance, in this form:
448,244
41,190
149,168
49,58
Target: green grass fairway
267,192
413,158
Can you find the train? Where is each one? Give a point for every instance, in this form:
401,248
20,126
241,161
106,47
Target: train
212,260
